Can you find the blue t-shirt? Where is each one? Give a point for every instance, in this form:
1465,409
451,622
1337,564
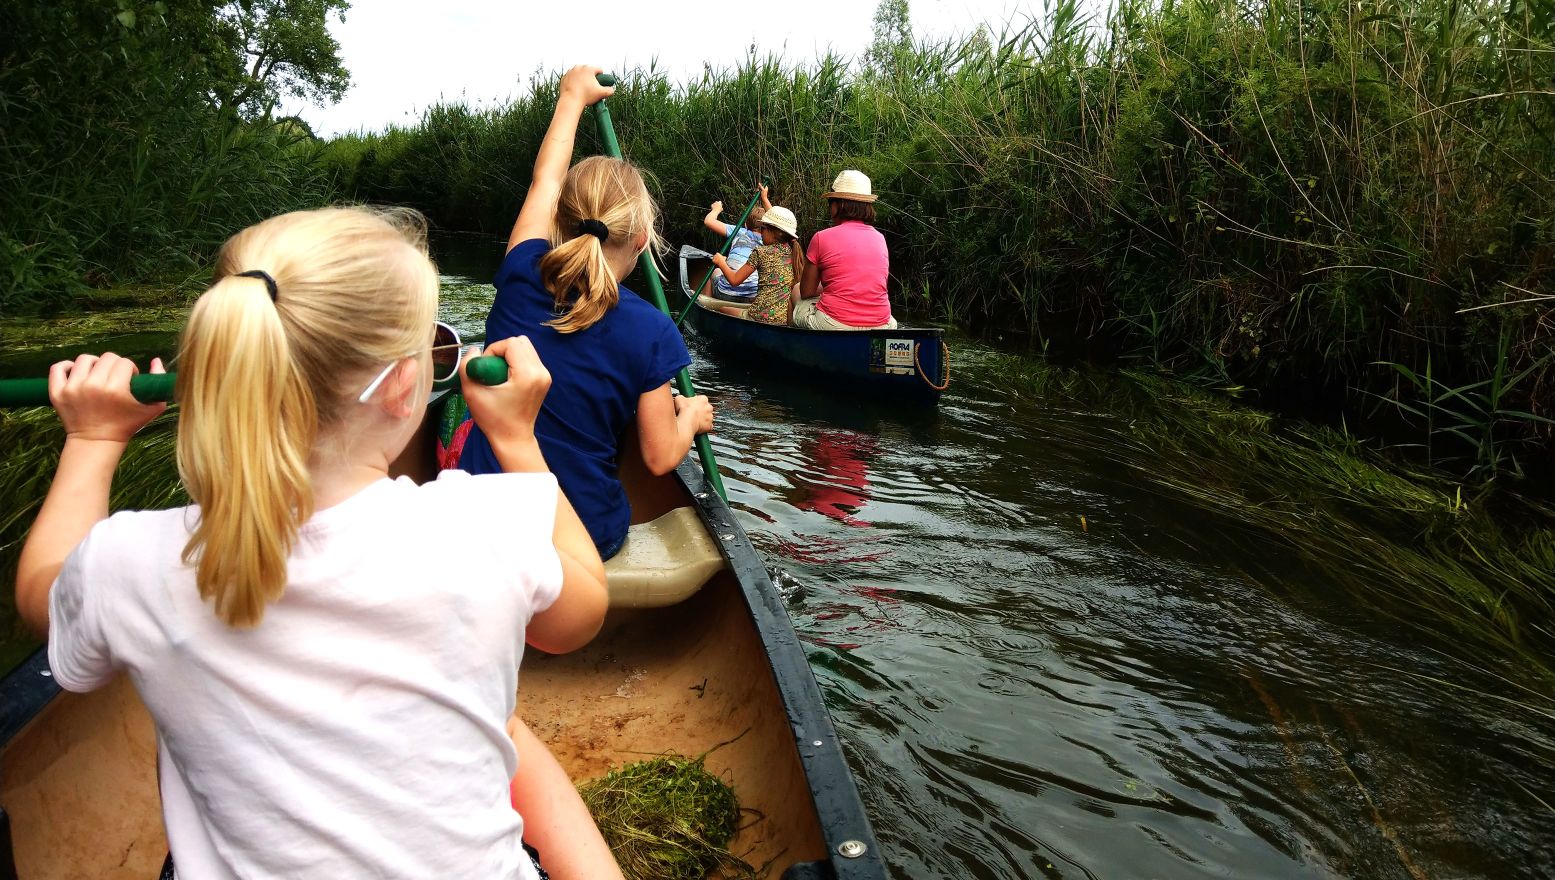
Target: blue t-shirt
745,241
597,375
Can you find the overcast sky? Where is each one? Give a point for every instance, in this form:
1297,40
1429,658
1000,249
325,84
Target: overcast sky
407,54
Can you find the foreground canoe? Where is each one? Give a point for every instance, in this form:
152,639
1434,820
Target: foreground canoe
697,654
909,363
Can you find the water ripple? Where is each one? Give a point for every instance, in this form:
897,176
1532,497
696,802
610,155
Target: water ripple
1041,667
1024,693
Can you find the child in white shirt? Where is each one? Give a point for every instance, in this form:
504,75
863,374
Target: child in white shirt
330,695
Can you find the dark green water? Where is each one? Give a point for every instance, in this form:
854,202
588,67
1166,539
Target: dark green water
1147,692
1024,695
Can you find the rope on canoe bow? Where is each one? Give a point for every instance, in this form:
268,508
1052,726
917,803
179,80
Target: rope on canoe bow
944,366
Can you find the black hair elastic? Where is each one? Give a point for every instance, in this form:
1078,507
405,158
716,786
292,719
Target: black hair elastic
594,228
262,276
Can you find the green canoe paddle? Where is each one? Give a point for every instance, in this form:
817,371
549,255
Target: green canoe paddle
607,134
728,243
158,387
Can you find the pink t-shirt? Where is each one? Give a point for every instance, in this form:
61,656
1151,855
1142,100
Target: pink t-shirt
854,263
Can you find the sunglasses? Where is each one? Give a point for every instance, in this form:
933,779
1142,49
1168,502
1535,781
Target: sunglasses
447,353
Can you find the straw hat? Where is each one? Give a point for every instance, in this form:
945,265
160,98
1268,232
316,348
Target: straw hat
851,185
779,217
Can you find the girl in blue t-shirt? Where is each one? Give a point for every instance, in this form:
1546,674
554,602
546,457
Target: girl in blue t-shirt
611,355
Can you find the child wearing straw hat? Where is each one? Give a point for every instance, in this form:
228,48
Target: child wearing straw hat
779,261
844,285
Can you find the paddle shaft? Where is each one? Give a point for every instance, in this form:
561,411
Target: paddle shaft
158,387
147,388
728,243
607,135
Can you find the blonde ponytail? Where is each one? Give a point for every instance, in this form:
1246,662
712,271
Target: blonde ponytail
796,255
250,422
264,382
576,270
579,267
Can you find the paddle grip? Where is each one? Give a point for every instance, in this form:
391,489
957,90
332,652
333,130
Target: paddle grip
606,79
487,369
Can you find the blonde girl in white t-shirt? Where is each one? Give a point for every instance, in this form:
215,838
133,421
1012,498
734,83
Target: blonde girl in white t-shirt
330,697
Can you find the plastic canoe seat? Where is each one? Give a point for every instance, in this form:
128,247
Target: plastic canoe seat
663,562
708,302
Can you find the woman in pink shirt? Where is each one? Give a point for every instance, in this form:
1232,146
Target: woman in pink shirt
844,285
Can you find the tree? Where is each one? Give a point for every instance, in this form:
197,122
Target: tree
280,49
892,37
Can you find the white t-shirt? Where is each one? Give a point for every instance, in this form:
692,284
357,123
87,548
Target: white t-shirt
359,730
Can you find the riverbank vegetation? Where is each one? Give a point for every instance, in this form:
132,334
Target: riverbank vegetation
1340,206
1343,209
146,479
138,135
1472,571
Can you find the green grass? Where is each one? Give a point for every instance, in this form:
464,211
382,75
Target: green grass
97,315
667,819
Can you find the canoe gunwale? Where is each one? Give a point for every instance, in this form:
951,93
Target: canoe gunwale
25,692
833,790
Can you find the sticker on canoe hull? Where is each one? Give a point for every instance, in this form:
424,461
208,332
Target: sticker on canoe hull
898,352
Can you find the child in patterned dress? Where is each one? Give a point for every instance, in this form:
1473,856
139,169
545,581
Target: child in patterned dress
779,261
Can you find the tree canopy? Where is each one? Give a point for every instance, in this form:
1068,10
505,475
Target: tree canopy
138,133
281,49
892,37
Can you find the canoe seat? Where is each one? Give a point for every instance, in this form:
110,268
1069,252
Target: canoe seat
689,252
708,302
662,562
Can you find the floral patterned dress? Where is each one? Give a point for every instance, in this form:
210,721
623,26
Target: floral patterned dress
775,274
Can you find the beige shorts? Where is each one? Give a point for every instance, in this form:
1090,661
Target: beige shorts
808,314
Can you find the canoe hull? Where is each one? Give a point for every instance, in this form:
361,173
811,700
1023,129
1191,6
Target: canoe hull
905,364
721,673
908,363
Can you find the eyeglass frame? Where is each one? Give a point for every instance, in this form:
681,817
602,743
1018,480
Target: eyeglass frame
437,383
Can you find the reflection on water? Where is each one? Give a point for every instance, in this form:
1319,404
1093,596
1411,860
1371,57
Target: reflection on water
1024,693
838,485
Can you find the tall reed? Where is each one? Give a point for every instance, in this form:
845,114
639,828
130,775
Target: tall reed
147,479
1275,194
